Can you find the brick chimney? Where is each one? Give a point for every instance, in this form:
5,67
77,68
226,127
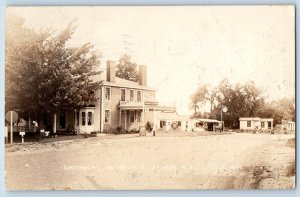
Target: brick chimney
110,71
142,75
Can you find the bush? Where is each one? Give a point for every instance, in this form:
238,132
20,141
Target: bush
114,130
119,129
86,135
291,142
148,126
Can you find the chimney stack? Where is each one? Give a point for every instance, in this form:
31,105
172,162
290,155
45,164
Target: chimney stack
142,75
111,71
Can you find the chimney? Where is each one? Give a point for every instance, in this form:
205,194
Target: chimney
110,71
142,75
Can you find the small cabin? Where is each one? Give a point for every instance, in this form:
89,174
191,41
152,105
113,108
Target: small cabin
256,123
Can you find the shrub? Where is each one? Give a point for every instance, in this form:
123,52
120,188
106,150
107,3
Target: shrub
119,129
148,126
86,135
291,142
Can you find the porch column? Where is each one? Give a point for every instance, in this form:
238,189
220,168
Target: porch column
54,123
125,118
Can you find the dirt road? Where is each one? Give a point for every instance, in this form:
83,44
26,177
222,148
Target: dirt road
199,162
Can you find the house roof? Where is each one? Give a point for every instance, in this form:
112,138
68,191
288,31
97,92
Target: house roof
266,119
255,119
123,83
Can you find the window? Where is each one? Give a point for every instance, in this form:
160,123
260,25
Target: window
107,116
131,95
269,124
262,124
179,123
122,94
139,96
248,123
83,118
90,118
77,118
131,116
162,124
107,94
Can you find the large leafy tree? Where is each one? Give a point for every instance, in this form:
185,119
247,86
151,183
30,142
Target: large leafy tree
126,69
43,73
241,100
281,109
199,97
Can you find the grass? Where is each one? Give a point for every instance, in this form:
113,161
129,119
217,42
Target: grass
291,169
291,142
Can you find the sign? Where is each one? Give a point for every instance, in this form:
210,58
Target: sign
22,133
14,116
225,109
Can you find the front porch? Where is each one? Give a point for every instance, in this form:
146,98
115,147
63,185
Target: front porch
131,115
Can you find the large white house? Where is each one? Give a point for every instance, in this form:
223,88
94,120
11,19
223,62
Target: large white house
251,123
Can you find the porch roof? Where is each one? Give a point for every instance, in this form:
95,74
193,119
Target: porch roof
131,105
153,105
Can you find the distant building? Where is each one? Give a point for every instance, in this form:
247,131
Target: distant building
249,123
288,125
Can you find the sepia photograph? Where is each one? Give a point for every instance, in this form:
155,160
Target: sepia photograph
150,97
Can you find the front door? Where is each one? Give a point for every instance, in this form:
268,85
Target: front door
123,119
62,121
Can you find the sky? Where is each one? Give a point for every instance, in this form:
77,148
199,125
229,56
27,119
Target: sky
184,46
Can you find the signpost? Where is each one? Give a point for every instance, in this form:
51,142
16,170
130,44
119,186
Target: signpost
22,133
11,116
223,109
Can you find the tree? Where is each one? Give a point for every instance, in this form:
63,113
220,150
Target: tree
44,74
281,109
126,69
212,98
199,97
241,100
